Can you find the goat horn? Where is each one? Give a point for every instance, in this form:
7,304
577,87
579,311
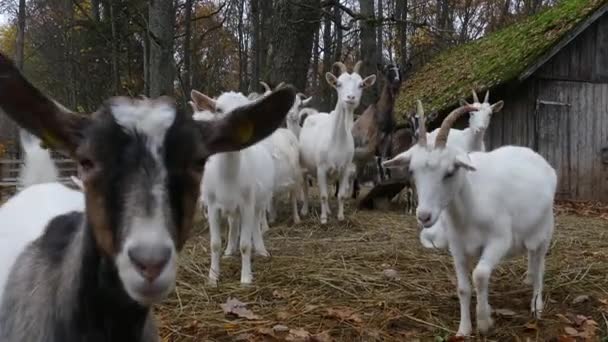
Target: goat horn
357,66
487,98
341,66
421,124
266,86
475,98
464,102
448,122
279,86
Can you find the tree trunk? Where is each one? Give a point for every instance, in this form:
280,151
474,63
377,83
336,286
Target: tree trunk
339,34
187,78
314,84
241,48
293,34
95,10
379,30
20,35
326,91
255,45
161,16
401,9
115,48
265,34
368,54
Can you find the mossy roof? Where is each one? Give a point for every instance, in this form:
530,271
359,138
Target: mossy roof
493,60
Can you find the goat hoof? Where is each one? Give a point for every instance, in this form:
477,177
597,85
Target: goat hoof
340,217
529,279
228,254
323,220
212,282
484,325
296,220
466,330
304,212
262,253
246,281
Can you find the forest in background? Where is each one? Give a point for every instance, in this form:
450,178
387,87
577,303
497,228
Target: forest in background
83,51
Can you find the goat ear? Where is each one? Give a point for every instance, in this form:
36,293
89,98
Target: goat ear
331,79
399,161
497,107
193,105
248,124
369,81
202,101
464,163
56,126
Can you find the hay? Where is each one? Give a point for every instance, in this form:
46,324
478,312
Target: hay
330,279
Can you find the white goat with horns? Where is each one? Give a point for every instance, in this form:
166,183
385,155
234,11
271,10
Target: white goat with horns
469,140
493,204
326,142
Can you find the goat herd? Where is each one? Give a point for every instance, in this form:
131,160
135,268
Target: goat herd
87,265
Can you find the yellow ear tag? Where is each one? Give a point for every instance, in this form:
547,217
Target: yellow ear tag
244,132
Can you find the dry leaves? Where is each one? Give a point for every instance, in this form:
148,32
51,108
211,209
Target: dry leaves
344,314
283,333
581,326
587,209
580,299
234,307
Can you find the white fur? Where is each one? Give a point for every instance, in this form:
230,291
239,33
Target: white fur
237,185
38,165
326,142
495,205
150,117
288,177
24,217
293,116
471,139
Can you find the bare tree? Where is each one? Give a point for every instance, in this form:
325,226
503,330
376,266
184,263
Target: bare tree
369,49
161,15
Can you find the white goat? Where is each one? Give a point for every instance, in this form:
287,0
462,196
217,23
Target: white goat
494,204
470,139
288,176
237,185
326,141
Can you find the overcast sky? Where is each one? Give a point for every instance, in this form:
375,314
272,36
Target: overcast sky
2,18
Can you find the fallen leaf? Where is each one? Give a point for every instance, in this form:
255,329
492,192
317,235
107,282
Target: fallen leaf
505,312
571,331
265,331
580,299
563,319
279,328
322,337
390,273
237,308
580,319
298,335
283,316
455,338
344,314
589,329
531,326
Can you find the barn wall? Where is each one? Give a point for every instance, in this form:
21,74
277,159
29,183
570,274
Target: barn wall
584,59
571,132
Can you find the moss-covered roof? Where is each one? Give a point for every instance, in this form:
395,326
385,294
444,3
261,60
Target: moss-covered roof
495,59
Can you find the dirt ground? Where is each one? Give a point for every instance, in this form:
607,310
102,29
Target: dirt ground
330,283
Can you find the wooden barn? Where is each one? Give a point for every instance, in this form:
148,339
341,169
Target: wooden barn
552,72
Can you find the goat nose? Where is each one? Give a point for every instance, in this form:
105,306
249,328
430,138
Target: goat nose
149,261
424,216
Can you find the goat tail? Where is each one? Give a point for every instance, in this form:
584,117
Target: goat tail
38,166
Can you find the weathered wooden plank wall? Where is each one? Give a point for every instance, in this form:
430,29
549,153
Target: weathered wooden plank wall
571,137
585,59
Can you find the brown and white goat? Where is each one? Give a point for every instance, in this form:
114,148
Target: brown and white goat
93,275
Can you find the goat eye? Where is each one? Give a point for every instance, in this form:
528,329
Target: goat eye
86,165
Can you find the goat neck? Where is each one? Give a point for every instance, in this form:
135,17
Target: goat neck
342,121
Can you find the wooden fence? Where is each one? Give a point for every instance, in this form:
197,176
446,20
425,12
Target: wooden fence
10,168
